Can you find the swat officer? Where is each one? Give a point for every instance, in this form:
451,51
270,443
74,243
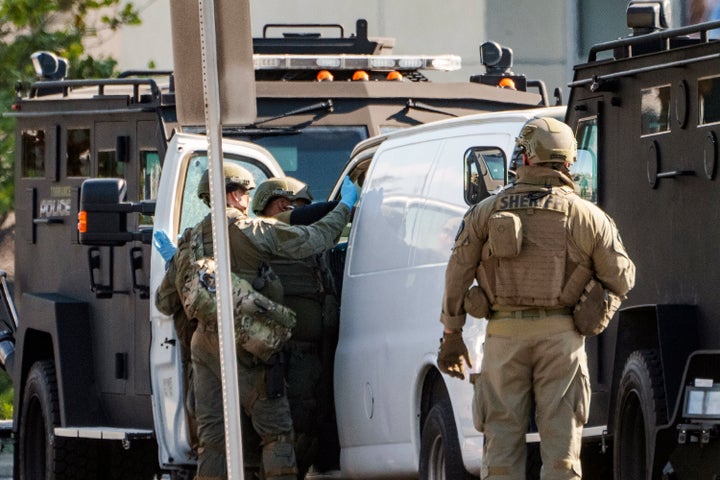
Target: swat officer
253,242
310,294
533,248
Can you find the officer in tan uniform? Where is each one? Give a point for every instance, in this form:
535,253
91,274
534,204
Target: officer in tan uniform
309,293
253,243
534,249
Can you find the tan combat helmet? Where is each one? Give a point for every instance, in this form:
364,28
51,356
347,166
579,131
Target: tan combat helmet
235,177
547,140
288,187
302,190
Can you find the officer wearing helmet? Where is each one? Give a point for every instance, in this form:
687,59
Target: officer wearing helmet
533,248
253,244
277,195
310,293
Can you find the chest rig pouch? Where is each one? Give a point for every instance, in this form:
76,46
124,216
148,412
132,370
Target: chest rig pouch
261,325
527,238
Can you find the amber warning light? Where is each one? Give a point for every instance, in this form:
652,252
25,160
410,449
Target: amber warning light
82,221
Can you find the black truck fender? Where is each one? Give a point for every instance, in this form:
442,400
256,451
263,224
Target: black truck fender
40,338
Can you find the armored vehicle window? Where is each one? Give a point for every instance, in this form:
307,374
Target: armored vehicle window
149,179
78,152
33,153
655,110
310,154
108,166
584,170
709,100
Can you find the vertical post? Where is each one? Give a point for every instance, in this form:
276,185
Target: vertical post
226,333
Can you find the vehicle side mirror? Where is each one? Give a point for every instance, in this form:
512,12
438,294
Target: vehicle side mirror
102,219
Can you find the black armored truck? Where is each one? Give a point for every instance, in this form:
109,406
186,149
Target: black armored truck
646,112
95,367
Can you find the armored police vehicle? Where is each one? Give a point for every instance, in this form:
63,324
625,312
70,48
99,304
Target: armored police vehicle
94,365
646,111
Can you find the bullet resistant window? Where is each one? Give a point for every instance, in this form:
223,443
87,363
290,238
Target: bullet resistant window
655,110
78,152
33,153
709,100
108,166
584,170
149,179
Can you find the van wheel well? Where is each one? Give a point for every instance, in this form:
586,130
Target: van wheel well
440,454
433,392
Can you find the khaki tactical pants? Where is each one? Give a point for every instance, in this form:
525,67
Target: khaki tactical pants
541,358
270,417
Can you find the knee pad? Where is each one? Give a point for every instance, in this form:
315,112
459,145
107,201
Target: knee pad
278,456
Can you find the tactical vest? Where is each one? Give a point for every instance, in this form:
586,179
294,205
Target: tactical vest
300,277
527,250
249,263
261,325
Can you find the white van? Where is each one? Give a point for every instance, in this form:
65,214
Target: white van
398,416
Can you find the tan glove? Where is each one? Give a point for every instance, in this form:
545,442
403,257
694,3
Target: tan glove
451,354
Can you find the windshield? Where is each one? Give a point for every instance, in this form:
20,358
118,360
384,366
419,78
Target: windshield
315,155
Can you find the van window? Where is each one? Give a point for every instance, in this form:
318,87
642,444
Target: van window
193,208
392,198
585,169
655,110
484,172
33,153
709,100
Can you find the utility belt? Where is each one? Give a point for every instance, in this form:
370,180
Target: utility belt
531,313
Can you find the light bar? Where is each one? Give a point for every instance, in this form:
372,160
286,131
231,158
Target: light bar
446,63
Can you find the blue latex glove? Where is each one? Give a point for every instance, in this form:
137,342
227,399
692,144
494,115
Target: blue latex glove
348,192
164,245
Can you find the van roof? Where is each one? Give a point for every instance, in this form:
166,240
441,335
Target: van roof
480,118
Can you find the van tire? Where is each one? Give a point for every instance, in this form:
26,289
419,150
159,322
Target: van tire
440,455
40,453
641,407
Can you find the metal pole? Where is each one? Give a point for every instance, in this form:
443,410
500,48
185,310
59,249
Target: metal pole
226,332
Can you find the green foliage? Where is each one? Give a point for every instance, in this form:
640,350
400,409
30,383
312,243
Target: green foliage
6,396
58,26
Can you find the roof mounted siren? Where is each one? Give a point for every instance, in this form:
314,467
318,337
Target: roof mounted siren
645,16
497,61
49,66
